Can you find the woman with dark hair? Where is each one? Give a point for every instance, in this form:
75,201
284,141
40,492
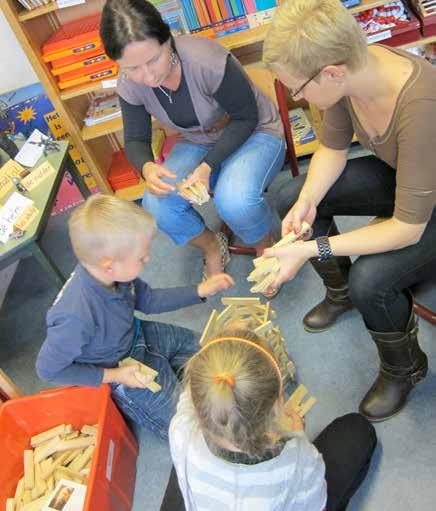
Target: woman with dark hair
231,135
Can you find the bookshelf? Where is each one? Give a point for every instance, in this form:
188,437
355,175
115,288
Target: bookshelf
97,143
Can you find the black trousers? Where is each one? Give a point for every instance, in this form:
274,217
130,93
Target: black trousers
347,446
377,282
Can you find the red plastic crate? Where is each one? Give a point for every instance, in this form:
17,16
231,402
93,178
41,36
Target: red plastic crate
112,479
121,173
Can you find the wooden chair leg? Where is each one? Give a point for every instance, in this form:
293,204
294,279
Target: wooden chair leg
284,115
8,389
425,313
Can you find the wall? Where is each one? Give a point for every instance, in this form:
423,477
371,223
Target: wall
15,69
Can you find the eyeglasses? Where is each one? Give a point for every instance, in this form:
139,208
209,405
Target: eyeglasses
297,91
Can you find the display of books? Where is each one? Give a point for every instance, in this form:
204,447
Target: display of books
302,131
103,107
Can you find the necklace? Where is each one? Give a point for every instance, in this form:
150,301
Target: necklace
170,99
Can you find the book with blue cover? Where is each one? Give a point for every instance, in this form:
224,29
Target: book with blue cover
302,131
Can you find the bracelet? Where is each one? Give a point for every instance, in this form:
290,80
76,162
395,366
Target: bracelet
324,249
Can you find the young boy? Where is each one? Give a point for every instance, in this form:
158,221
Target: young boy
91,325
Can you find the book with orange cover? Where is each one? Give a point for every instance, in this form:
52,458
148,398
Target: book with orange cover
86,65
74,37
101,72
71,59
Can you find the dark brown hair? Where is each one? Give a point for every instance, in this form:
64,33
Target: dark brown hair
128,21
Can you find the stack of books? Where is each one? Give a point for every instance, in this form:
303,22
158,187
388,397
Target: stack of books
76,54
33,4
302,130
103,107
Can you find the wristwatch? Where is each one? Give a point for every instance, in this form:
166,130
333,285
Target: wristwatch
324,249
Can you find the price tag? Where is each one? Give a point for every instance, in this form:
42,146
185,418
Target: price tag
109,84
26,217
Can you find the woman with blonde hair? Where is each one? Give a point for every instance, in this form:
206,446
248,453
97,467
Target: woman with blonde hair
387,98
234,446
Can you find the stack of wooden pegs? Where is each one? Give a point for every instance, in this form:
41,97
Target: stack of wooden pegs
196,193
250,313
267,269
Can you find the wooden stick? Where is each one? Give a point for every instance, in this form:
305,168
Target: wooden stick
296,397
10,505
48,449
29,470
89,429
232,300
81,461
150,385
66,473
76,443
36,505
46,467
148,371
305,407
209,325
62,429
19,491
265,283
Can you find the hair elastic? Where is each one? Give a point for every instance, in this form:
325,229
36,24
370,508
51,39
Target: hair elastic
226,377
250,343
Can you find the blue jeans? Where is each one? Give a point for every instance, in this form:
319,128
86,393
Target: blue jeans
165,348
238,188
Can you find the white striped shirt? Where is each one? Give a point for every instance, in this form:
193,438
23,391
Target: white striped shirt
292,481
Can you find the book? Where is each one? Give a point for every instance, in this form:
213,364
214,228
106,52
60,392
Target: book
103,107
302,131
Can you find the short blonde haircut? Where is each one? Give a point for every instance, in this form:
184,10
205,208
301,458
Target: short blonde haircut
307,35
106,226
242,413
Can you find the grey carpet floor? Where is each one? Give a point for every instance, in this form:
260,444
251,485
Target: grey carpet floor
337,366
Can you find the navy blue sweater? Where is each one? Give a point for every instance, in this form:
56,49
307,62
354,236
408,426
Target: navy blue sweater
90,327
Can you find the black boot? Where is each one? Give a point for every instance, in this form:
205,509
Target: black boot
402,366
334,273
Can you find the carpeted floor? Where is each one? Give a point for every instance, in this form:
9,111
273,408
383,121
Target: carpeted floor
337,366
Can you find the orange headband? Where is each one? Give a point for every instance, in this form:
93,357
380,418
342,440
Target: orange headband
228,377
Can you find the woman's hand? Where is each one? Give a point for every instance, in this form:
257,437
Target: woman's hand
201,173
291,257
303,210
152,173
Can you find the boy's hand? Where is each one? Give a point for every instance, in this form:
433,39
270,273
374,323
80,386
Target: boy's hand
126,376
214,284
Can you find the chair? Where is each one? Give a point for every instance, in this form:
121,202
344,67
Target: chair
8,389
265,81
420,292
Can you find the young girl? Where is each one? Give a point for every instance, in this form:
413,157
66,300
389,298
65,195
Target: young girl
234,447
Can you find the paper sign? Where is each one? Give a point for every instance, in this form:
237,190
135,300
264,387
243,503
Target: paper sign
10,212
37,176
68,3
26,217
6,185
67,496
109,84
13,169
30,153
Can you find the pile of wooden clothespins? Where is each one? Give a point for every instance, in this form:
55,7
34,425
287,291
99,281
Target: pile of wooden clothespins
267,269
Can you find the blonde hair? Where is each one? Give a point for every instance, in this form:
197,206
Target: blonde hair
307,35
234,382
106,226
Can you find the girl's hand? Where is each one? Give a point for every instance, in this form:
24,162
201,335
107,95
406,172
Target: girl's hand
297,421
291,257
152,173
214,284
303,209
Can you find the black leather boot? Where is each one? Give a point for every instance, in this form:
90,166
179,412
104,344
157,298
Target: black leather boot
402,366
334,273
